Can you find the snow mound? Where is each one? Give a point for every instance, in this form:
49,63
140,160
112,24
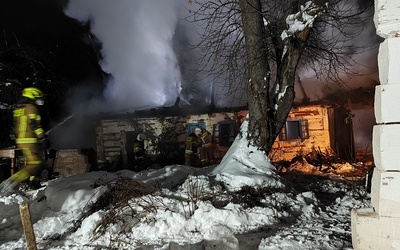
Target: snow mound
245,165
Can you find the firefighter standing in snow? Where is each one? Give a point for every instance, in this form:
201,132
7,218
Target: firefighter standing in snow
28,136
207,154
140,151
193,148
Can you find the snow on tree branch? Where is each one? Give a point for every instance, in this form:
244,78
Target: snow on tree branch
303,19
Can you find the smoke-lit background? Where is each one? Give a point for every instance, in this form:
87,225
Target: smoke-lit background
144,49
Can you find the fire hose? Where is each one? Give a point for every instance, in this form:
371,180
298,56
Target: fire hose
59,124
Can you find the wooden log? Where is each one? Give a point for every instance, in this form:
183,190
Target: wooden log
27,226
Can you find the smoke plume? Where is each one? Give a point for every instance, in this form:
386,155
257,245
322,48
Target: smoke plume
137,50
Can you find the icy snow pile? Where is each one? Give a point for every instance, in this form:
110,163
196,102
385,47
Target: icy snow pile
244,165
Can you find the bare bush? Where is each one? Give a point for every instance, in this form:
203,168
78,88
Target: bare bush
196,191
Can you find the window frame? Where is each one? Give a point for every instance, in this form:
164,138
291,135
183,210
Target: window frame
230,137
192,126
303,130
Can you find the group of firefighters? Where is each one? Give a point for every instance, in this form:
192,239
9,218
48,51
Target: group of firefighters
198,148
29,137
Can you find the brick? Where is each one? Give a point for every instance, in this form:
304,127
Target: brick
71,162
386,18
387,102
371,231
385,195
386,147
388,58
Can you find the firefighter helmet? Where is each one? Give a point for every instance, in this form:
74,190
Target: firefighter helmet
141,137
34,94
198,131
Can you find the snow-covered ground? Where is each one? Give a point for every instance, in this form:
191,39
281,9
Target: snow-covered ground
240,204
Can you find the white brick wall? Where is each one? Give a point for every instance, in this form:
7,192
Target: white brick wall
385,195
378,227
386,147
387,18
388,59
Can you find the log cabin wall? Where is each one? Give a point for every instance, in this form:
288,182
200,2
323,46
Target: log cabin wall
166,135
307,128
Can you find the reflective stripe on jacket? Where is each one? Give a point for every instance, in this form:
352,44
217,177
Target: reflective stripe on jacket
27,126
189,145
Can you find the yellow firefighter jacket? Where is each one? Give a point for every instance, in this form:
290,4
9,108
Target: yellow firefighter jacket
27,126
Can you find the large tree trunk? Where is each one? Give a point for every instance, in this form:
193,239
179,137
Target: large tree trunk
284,97
258,73
265,122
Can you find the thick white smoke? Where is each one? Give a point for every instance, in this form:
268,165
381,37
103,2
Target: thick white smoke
137,52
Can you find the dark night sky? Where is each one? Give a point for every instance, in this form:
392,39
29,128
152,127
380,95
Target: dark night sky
37,33
43,25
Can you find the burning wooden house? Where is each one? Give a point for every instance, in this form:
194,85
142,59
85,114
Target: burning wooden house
166,131
315,127
323,127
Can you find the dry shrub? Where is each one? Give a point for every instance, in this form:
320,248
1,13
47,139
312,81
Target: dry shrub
196,191
249,196
113,200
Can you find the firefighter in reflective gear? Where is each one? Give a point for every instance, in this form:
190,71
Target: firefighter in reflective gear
193,148
139,147
207,155
28,135
139,150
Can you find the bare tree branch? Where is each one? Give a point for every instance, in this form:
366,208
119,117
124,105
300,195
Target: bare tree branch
257,40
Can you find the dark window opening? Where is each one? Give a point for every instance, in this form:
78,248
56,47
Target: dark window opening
294,130
226,133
